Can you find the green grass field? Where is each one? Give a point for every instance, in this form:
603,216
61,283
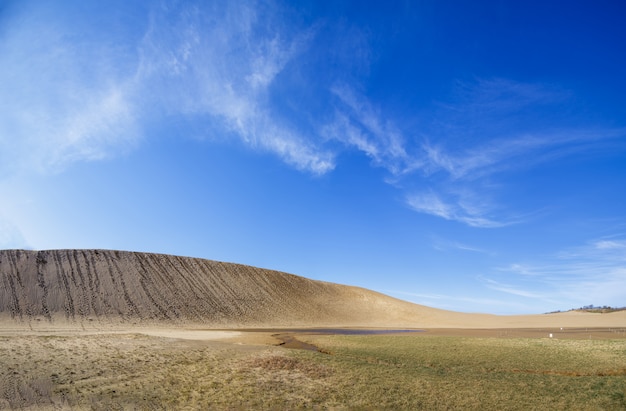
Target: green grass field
409,372
356,372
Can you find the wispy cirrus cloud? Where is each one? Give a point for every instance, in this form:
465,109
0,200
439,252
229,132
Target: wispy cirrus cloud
454,208
591,273
73,94
360,125
80,93
77,91
62,98
492,97
594,273
222,62
514,151
495,127
512,289
613,245
491,128
441,244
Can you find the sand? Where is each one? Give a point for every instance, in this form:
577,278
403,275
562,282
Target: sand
104,290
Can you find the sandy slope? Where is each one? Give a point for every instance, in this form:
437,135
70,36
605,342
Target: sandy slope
112,289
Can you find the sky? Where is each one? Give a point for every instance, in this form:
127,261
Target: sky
469,156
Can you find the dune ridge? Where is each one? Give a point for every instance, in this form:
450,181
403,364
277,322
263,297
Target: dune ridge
118,286
103,287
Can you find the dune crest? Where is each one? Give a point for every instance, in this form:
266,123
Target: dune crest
117,286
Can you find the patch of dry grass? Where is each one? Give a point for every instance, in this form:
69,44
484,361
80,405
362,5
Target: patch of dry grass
408,372
381,372
104,372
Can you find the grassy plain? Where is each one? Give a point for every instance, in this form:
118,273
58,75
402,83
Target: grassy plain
418,371
436,372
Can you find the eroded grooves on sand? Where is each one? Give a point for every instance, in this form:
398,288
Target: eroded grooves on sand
41,282
64,288
10,285
113,286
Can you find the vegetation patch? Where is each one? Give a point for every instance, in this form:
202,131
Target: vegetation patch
362,372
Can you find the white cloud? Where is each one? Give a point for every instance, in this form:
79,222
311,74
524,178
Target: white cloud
461,164
494,96
505,152
511,289
458,210
430,203
223,63
358,124
71,93
342,129
522,269
445,245
490,129
60,100
610,245
594,273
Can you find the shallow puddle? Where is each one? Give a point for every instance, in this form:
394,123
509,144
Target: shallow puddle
353,331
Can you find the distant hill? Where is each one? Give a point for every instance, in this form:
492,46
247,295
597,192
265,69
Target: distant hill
604,309
104,287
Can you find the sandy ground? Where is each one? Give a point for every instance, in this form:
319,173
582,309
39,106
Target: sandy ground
159,368
76,367
274,335
192,334
441,320
569,324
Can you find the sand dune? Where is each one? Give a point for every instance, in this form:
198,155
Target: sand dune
99,288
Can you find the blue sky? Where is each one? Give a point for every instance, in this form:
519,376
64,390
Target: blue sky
463,155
